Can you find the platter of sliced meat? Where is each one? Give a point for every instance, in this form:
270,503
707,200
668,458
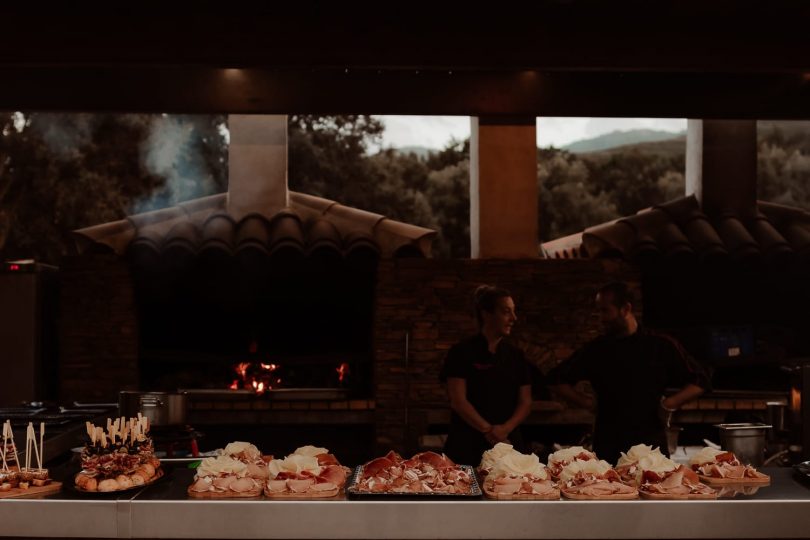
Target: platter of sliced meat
680,483
718,467
511,475
593,479
658,477
426,474
308,473
239,471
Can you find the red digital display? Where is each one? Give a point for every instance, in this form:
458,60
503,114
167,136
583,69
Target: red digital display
14,267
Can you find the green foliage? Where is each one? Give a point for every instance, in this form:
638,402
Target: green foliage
61,172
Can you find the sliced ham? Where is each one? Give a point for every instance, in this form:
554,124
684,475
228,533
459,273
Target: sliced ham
376,466
542,488
326,459
201,485
243,485
673,480
300,486
276,486
224,482
335,474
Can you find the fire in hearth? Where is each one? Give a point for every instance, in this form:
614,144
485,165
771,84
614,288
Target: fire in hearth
256,376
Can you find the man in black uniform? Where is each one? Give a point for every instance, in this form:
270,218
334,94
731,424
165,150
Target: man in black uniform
629,369
488,382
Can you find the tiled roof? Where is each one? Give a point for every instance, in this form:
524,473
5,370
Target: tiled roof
679,229
310,225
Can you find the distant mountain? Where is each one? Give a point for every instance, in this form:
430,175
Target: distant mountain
666,149
615,139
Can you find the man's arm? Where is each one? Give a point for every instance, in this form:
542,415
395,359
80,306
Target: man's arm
501,432
457,391
574,396
684,395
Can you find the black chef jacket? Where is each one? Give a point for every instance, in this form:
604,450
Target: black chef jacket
493,384
629,375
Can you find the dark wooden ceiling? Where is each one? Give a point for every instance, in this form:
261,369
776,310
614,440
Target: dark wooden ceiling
569,58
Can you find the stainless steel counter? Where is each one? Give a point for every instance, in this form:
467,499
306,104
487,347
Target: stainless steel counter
781,510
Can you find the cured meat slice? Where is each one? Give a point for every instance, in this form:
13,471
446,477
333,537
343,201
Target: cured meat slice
326,459
243,485
335,474
375,466
276,486
300,486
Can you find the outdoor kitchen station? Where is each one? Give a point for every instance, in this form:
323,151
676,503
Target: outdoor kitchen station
231,307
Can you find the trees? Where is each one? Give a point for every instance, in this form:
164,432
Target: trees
61,172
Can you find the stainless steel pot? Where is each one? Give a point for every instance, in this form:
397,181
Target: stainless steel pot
747,441
161,408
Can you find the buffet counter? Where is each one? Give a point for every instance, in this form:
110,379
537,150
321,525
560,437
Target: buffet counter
781,510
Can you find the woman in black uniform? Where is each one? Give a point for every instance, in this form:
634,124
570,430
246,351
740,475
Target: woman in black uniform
488,382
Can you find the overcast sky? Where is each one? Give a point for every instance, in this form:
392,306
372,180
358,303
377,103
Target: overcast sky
436,131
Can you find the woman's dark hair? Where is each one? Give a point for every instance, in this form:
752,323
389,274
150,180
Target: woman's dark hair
486,298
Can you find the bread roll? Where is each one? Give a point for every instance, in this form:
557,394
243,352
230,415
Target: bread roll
148,469
123,481
86,483
108,485
137,479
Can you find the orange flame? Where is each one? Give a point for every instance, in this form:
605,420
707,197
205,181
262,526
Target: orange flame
269,367
234,385
342,371
242,368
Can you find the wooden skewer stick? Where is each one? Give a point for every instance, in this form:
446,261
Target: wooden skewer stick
13,445
41,444
5,446
35,447
28,447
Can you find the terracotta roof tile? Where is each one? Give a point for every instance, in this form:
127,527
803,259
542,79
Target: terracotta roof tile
679,229
308,225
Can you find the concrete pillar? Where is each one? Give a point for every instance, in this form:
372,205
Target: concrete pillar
257,164
503,188
721,165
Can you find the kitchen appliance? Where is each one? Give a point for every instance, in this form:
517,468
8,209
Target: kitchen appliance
29,297
161,408
745,440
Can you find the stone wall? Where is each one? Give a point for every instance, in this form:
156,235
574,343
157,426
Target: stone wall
98,329
427,303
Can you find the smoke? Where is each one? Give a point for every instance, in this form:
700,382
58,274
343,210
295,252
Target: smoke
173,150
64,134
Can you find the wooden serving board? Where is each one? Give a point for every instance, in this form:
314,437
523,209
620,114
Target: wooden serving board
553,496
617,497
664,497
33,491
253,494
734,481
314,495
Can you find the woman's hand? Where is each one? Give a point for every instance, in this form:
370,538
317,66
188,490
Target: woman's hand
499,433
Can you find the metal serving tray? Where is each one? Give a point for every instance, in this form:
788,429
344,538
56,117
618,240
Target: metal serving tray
352,491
